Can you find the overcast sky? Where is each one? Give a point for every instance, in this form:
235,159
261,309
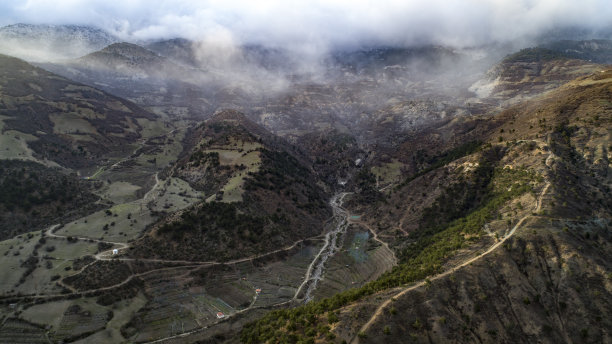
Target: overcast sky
318,22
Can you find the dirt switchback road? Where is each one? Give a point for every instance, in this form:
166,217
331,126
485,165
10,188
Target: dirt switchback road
402,291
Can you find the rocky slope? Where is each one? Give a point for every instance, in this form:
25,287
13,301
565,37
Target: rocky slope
531,72
64,122
520,262
550,282
131,71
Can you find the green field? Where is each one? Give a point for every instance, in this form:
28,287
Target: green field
119,192
70,123
127,220
360,259
388,173
59,252
14,144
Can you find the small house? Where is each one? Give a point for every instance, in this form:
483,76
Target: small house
258,290
115,251
220,315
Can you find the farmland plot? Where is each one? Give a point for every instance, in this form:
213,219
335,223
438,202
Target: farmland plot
123,312
126,221
32,262
17,331
183,299
82,318
280,281
360,259
166,312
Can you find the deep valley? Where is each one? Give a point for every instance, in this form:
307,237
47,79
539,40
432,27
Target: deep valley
154,191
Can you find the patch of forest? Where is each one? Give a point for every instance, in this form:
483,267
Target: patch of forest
33,196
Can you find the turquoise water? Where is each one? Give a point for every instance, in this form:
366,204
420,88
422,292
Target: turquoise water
357,249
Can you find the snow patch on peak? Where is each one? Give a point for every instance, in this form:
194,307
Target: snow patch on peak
46,43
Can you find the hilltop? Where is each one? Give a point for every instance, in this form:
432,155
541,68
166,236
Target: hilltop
255,187
153,81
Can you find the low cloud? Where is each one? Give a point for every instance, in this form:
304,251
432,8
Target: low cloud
321,24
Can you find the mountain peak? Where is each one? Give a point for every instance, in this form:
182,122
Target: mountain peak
30,28
238,119
46,42
129,50
228,115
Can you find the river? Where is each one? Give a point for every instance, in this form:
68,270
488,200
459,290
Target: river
316,268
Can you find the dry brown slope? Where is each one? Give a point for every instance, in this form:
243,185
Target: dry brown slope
549,283
69,123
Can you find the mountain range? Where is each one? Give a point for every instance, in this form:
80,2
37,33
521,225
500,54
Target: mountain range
174,191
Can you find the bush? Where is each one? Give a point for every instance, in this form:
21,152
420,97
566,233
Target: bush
526,300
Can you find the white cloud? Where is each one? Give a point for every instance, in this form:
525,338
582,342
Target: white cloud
319,23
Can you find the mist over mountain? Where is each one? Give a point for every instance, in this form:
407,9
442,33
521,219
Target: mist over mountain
305,172
311,27
47,42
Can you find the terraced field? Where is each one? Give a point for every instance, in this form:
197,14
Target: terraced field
173,299
70,320
17,331
360,259
123,312
165,313
184,299
81,321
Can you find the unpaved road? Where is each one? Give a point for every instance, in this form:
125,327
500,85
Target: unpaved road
381,308
376,238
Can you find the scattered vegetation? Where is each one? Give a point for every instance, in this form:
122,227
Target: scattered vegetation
442,159
425,257
100,274
279,201
367,193
534,55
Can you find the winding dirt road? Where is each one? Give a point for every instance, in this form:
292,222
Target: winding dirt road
376,238
381,308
